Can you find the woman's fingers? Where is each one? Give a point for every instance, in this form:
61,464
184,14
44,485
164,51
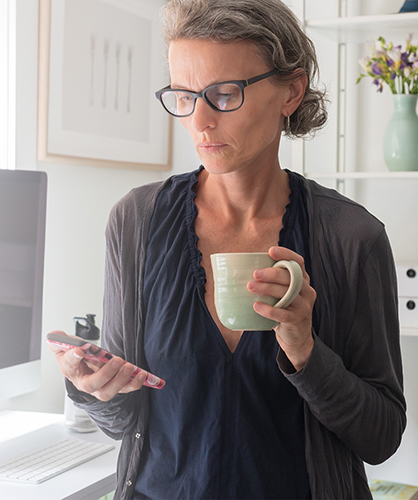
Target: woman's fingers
282,253
122,383
103,381
294,330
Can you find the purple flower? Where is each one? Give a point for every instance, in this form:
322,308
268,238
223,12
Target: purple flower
378,84
375,69
388,63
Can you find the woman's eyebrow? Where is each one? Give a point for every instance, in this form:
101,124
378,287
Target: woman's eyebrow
177,86
217,82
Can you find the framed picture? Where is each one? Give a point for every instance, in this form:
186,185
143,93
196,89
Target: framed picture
100,62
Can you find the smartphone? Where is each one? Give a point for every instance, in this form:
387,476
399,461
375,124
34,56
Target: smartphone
97,354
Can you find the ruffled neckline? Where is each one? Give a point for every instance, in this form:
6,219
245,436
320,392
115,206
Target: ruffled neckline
286,221
191,214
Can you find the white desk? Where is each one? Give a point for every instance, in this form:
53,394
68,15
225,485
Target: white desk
88,481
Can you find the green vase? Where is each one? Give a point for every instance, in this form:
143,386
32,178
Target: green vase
400,143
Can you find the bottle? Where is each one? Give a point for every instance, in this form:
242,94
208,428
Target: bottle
76,419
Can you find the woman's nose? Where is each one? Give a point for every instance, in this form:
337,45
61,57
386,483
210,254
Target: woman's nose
203,116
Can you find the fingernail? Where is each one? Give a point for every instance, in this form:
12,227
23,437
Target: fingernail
77,355
117,363
250,285
142,376
257,306
258,273
127,369
152,379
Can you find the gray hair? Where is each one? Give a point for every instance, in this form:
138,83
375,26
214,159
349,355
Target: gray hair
275,30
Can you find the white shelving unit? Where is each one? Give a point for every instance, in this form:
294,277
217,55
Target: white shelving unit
354,30
409,332
361,28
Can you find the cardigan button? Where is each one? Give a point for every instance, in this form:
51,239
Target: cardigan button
128,482
138,435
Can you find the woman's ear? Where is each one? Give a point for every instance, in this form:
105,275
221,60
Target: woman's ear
297,88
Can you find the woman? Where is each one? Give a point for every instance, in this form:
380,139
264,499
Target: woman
290,413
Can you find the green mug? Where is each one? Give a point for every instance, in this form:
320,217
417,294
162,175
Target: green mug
234,302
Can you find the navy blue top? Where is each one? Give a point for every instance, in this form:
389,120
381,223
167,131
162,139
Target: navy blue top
226,425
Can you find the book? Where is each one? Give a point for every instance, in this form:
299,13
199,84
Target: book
387,490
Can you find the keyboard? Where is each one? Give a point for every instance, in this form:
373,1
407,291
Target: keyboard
40,464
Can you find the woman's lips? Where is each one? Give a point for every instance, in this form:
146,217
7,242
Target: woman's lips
210,147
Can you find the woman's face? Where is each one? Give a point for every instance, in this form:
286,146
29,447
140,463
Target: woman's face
247,138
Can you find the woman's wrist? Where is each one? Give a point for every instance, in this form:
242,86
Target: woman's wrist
298,356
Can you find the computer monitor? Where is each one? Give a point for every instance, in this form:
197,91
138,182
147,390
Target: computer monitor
22,242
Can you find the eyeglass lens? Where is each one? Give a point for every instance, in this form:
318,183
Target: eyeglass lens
225,97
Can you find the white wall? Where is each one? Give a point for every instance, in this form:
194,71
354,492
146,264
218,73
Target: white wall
80,198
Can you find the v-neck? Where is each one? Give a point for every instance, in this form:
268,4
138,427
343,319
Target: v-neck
199,271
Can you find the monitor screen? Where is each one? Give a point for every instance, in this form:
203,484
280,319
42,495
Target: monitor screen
22,241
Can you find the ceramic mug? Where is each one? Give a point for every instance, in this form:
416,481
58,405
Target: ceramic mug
234,302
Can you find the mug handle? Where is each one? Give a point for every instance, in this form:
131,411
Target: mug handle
296,281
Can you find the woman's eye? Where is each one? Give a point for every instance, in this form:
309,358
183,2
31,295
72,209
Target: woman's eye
185,97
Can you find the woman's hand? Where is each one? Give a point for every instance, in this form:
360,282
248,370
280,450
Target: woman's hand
294,332
102,382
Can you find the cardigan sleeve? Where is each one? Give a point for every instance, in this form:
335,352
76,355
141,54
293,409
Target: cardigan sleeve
112,417
356,390
126,235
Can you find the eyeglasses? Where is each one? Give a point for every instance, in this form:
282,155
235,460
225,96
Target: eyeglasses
224,97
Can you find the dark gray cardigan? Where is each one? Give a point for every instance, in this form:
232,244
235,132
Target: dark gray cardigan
352,383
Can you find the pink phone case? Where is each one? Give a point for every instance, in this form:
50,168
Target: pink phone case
95,353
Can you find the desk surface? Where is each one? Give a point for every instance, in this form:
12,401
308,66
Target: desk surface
88,481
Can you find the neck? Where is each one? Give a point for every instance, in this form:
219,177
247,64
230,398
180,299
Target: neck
241,197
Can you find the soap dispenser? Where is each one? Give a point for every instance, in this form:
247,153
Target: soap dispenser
76,419
87,329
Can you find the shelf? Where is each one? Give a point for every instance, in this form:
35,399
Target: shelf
409,332
362,175
362,28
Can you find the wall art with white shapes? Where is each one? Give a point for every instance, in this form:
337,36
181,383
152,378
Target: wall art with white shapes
100,63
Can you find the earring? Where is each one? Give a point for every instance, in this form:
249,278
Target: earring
288,122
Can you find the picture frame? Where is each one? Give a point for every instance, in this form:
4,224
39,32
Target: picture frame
100,63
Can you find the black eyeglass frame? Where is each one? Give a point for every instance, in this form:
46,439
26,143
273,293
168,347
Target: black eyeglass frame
240,83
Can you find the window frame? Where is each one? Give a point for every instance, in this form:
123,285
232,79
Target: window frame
8,84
